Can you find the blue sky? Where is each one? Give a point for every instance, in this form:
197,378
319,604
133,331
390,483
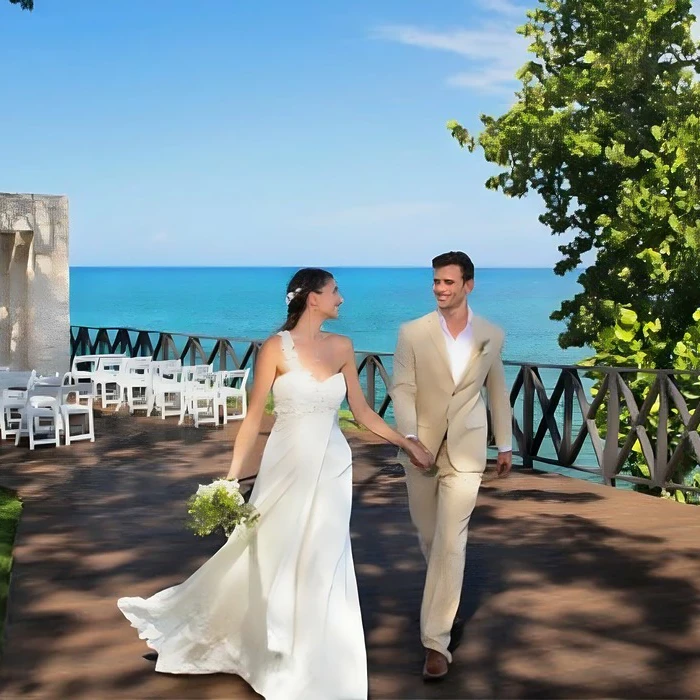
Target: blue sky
238,133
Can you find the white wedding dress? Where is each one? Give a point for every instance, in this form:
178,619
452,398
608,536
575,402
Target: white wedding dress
278,604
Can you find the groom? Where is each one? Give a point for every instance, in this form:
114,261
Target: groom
442,362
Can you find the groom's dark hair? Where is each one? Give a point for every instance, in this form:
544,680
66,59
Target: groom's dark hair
456,257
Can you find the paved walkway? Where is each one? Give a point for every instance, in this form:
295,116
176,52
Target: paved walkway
573,590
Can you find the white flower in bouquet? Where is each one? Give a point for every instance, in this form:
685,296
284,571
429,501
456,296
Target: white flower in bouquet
219,505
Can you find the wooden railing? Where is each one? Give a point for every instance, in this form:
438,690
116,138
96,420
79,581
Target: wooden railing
556,420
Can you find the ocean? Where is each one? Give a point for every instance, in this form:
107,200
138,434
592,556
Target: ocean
249,303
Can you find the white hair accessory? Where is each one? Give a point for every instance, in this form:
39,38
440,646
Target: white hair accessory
291,295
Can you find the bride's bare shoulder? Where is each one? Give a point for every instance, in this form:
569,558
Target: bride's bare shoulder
271,345
341,342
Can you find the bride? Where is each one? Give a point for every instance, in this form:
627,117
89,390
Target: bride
278,604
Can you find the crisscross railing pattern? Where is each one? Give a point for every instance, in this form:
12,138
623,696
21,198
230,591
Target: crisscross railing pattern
555,421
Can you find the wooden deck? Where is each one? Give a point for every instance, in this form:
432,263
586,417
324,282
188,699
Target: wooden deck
573,590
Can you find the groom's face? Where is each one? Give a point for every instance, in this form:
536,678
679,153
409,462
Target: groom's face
449,287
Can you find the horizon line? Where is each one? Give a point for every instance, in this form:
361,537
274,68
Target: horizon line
297,267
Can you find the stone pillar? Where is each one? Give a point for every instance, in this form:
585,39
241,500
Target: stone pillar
34,283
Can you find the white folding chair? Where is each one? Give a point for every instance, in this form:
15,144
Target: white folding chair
204,400
195,380
104,378
168,387
41,416
84,412
84,368
135,381
233,393
11,403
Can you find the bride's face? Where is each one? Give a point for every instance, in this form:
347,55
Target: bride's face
328,300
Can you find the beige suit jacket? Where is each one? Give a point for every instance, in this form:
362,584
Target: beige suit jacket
429,404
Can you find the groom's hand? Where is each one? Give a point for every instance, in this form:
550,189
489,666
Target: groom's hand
504,462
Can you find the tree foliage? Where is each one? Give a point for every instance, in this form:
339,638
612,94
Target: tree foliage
606,130
24,4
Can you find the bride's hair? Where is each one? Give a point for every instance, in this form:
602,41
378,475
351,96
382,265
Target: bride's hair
305,281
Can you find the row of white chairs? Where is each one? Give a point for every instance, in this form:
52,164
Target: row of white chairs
41,409
166,386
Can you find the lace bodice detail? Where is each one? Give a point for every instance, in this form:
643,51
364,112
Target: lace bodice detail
298,392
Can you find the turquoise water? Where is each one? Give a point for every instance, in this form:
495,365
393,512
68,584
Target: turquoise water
249,303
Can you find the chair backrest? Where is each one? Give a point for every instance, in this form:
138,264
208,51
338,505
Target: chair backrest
15,380
197,373
138,365
83,390
53,391
49,379
41,380
166,368
13,395
234,377
84,363
107,363
89,362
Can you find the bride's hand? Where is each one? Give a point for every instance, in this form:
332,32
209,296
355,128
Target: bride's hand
419,455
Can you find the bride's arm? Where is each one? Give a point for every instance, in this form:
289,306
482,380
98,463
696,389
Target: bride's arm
263,378
366,416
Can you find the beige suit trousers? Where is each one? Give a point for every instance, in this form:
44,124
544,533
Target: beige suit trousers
440,508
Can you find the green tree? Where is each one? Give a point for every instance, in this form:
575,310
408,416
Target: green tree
606,130
24,4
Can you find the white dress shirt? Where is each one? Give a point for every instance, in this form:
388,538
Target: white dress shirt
459,349
459,352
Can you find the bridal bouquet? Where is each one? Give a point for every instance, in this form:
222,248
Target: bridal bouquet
219,504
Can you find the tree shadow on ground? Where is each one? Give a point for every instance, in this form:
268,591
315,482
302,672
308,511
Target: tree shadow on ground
571,591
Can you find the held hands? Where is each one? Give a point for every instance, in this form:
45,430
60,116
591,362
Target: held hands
419,455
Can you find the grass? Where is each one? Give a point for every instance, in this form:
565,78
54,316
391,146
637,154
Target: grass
10,510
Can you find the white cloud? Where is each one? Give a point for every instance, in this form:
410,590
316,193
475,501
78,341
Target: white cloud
504,7
487,80
372,214
493,50
477,44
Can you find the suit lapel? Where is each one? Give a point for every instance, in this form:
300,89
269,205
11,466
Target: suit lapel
436,335
480,338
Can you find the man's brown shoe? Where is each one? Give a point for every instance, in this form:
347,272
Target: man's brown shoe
435,667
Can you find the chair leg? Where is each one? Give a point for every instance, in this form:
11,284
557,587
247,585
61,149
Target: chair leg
182,411
30,427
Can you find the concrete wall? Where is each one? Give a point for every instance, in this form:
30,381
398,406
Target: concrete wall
34,282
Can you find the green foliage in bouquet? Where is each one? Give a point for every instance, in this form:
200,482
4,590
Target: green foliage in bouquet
219,505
